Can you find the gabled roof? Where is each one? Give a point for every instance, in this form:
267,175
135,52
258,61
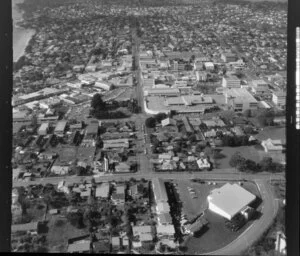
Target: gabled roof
230,198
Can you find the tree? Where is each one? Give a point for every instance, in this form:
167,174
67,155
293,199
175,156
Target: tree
247,113
160,116
266,164
236,160
76,219
150,122
97,102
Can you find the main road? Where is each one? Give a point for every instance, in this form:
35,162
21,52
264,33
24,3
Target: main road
219,174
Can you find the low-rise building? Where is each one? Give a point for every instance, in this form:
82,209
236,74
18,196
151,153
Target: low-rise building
229,200
228,57
102,191
239,99
231,82
60,128
165,231
43,129
118,196
279,99
270,145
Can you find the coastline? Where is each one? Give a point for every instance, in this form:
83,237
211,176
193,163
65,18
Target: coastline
21,36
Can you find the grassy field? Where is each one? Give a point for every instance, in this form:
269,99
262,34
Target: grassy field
249,152
273,133
59,234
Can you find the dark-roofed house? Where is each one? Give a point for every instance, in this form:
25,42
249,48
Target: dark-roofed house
136,190
101,246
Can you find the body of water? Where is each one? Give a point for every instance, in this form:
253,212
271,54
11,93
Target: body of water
21,36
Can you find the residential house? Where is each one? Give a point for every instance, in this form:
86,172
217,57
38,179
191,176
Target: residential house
270,145
115,242
118,196
102,191
165,231
164,218
83,246
203,163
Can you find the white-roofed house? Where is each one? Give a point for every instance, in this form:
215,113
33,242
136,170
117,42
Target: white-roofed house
270,145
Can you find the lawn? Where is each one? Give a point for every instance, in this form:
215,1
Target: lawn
272,132
214,237
249,152
59,234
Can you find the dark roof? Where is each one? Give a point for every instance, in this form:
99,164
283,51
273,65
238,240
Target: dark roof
92,128
101,246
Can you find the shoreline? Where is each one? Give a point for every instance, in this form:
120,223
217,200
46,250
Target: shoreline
21,36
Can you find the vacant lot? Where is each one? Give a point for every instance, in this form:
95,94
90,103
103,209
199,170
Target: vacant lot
60,230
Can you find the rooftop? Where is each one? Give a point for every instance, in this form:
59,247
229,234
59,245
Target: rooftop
240,95
230,198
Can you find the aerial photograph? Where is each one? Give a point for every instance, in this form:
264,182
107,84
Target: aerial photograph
149,127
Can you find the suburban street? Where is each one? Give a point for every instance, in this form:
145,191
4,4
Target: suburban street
205,175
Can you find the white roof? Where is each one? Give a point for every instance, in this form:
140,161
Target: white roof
165,229
231,198
103,190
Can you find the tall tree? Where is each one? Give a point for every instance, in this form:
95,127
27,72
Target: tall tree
97,102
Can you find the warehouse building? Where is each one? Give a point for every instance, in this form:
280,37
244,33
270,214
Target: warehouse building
229,200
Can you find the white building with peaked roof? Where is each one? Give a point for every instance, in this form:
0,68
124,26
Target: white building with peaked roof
270,145
229,200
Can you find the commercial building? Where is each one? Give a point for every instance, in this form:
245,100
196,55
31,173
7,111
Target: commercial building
44,93
229,200
231,82
279,99
260,87
43,130
162,92
228,57
60,128
239,99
